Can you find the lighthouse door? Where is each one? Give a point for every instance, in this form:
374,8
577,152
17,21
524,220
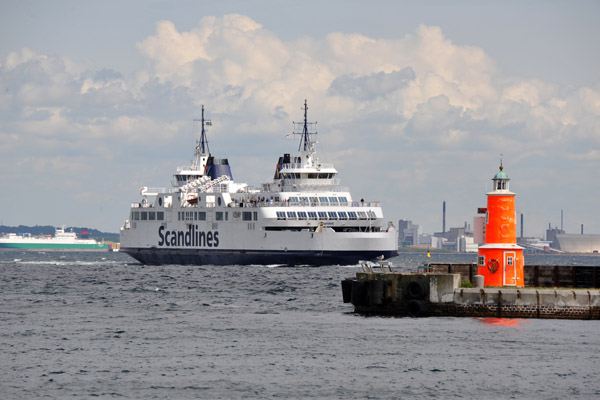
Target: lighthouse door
510,269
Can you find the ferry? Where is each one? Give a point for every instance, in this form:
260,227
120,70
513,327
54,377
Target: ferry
303,216
62,240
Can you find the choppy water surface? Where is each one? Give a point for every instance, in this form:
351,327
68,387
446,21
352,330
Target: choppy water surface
100,325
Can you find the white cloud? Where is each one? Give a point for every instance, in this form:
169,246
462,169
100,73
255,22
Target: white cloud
409,109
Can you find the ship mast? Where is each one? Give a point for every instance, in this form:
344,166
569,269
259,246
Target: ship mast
202,148
203,142
305,142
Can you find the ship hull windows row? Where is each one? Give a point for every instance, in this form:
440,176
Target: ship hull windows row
304,175
312,229
147,216
191,215
326,215
221,216
318,200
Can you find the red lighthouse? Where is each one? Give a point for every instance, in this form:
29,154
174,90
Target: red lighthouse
500,258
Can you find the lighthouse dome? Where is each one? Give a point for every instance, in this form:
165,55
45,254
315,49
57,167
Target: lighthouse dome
501,180
501,175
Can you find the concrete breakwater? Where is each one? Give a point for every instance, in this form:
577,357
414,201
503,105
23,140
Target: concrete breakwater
559,276
436,293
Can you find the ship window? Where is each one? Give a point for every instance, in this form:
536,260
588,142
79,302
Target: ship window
323,176
144,215
255,215
202,215
219,215
322,215
280,215
301,215
323,200
291,214
372,215
343,200
312,215
135,216
151,215
218,201
312,176
293,199
352,215
304,199
189,215
343,215
160,215
509,261
481,261
314,200
246,216
332,215
226,215
362,215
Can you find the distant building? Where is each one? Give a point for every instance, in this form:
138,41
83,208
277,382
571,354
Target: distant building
551,236
452,235
466,244
479,229
408,233
438,242
534,244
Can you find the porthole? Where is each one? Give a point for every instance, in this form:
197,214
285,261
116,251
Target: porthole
219,201
160,201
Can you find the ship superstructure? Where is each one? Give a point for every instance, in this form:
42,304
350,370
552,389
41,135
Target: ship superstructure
62,240
301,216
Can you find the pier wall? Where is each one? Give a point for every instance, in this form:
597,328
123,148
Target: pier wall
440,294
535,275
525,303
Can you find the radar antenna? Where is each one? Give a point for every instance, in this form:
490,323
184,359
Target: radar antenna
202,144
305,134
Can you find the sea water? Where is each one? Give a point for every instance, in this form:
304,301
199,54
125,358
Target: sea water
81,325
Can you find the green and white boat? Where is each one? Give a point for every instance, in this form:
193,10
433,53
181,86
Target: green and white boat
61,240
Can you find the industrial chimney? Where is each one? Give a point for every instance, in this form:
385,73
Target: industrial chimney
444,217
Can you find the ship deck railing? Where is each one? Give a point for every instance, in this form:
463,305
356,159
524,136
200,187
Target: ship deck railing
296,185
300,166
269,203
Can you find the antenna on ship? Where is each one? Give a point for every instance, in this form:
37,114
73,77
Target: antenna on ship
202,145
305,134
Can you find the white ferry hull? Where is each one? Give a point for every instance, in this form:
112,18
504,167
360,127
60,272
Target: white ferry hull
328,247
252,257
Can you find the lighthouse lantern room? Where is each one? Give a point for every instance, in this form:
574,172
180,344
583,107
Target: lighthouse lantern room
500,259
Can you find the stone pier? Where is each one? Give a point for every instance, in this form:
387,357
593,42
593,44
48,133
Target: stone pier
441,294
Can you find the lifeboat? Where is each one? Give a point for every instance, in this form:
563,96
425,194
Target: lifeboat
192,198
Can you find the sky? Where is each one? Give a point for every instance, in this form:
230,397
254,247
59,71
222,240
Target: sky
416,102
